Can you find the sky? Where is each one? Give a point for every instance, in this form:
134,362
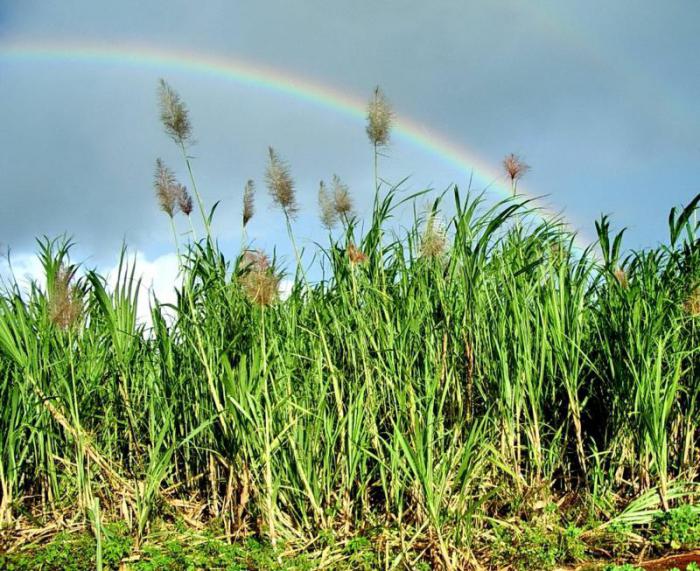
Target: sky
600,98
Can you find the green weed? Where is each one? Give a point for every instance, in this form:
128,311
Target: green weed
679,528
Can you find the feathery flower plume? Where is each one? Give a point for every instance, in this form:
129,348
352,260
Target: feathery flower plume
557,253
174,114
621,277
258,280
379,119
515,168
329,216
65,301
355,255
434,239
342,201
692,303
248,202
280,184
167,189
184,200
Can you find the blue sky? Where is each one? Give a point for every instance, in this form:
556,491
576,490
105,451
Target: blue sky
599,97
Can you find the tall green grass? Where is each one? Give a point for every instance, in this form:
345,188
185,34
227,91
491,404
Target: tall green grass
429,392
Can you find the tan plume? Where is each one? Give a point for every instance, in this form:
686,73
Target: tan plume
280,184
65,301
184,200
342,201
621,277
692,302
167,189
248,202
515,168
258,279
355,255
379,119
329,216
174,114
434,238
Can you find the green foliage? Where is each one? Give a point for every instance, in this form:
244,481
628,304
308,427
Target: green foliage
678,528
178,553
616,539
538,546
72,552
424,392
361,554
171,549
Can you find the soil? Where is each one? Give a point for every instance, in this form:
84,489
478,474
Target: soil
679,561
662,564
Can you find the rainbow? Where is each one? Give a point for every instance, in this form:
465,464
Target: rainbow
261,77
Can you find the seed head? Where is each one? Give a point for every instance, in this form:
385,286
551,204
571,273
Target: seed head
248,202
355,255
621,277
342,201
434,239
167,189
259,281
174,114
515,167
280,184
65,301
379,119
184,199
557,253
692,303
329,216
